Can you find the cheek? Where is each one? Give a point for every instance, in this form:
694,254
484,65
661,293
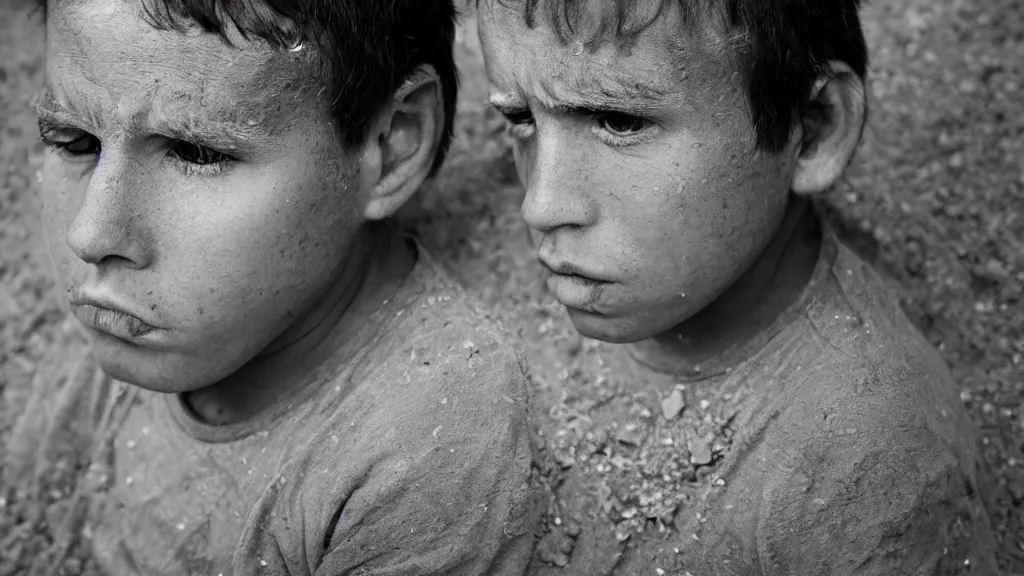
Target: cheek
266,251
60,193
678,221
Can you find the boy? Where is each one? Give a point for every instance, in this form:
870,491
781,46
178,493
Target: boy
772,410
277,380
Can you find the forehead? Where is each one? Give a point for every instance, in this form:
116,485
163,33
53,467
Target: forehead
669,61
104,58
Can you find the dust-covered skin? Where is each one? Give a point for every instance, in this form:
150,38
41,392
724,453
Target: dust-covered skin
275,381
833,444
412,456
215,261
774,412
664,212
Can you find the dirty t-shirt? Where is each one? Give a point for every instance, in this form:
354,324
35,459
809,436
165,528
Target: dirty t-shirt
833,444
409,456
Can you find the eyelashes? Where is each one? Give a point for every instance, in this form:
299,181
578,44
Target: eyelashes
617,129
198,159
621,129
69,141
194,159
521,124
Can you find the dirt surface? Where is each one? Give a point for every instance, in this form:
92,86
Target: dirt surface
935,199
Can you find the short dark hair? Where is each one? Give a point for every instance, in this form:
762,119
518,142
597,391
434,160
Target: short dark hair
368,47
783,45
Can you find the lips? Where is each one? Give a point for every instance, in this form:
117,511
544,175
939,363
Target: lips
569,269
573,287
109,318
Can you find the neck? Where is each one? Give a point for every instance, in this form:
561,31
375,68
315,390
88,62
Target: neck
378,261
751,305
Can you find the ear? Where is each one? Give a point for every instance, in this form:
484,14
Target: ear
830,130
404,141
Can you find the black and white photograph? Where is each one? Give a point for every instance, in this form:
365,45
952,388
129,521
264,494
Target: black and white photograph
511,288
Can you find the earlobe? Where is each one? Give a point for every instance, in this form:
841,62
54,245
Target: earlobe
408,137
830,130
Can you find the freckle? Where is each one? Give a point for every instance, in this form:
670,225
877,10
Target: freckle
200,310
153,307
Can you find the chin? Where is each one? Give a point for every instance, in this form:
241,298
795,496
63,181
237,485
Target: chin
141,372
122,371
605,329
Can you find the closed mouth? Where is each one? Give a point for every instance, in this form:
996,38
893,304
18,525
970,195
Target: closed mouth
570,271
112,321
578,279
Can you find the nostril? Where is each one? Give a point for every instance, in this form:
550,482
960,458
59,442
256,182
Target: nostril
115,260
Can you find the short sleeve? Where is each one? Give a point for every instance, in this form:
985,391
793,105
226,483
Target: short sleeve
458,501
901,504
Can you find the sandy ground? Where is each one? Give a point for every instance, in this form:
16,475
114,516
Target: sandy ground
935,199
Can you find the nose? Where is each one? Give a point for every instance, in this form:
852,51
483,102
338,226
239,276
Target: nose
557,187
108,228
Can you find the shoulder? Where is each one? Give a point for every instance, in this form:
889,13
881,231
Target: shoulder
889,503
444,442
870,463
439,396
863,365
874,420
445,362
873,471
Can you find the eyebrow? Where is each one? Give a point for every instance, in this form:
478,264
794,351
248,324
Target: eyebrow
49,109
223,129
588,93
215,132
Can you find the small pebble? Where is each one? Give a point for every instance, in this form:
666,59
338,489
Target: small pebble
673,405
700,453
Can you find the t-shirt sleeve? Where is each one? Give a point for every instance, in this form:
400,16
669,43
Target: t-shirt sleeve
456,500
871,498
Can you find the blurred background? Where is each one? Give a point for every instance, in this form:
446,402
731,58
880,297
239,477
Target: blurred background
935,200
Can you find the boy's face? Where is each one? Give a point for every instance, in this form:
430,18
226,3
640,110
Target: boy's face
197,200
644,188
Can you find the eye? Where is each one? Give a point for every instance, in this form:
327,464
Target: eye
521,122
620,129
621,124
522,116
71,141
197,154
